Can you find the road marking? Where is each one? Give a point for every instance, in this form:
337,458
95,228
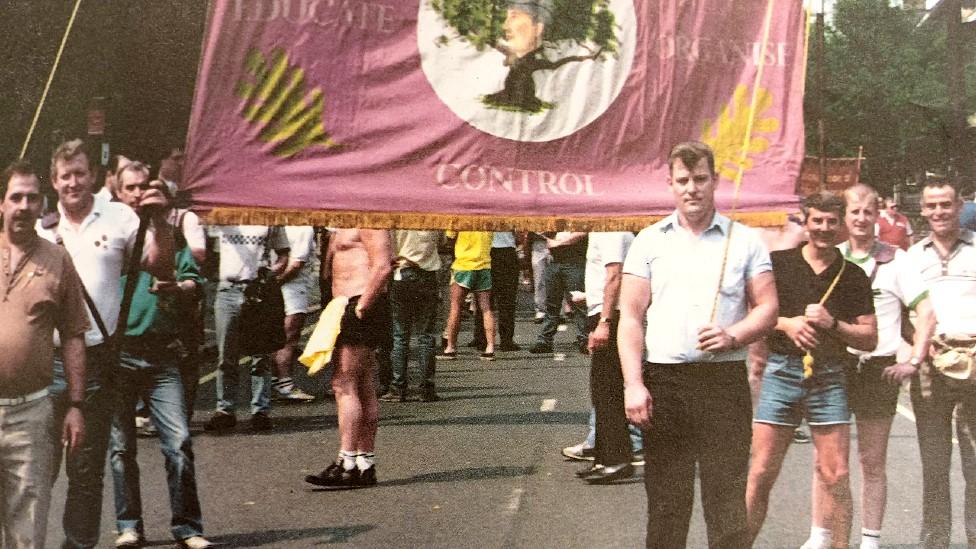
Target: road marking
548,405
207,378
559,357
515,500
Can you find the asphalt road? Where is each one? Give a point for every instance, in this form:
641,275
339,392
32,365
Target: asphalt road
480,468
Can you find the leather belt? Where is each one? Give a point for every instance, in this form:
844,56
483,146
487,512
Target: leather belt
23,399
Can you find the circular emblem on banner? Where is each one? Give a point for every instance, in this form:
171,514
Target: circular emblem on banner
527,70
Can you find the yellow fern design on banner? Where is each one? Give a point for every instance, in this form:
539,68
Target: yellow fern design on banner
278,102
726,134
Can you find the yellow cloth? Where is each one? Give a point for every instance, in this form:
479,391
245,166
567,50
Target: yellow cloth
472,251
318,351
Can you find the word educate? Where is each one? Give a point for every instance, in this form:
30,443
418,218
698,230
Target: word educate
323,13
513,180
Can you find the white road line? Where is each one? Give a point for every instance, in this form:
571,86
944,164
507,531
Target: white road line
515,500
208,378
548,405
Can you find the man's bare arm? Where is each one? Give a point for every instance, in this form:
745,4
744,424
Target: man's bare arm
635,297
600,335
566,240
379,251
761,319
73,354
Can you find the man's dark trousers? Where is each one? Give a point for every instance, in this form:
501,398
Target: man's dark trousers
607,393
701,416
933,424
504,292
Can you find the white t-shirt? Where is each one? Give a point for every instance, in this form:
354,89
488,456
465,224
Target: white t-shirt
896,283
99,247
242,249
193,233
602,249
301,244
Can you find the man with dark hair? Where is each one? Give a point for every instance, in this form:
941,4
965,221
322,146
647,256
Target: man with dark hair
694,368
150,371
824,308
42,292
100,236
947,260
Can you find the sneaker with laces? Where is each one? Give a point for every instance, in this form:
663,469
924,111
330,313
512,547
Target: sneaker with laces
129,537
539,348
580,452
220,421
292,395
336,477
196,542
394,395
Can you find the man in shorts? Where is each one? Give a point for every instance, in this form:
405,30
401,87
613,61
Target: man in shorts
296,285
808,328
873,383
360,262
471,272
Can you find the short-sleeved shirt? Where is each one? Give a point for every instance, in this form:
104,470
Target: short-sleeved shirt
417,248
99,247
951,282
603,249
798,286
44,294
242,248
896,283
301,247
472,251
684,271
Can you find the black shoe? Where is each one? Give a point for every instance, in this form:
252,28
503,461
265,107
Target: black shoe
800,437
589,471
509,347
487,356
540,348
610,473
335,477
428,395
261,422
220,421
394,395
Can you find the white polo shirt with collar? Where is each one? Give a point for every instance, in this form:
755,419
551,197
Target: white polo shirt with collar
683,270
951,282
98,246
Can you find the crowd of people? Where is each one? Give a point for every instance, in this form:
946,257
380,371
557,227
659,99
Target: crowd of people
709,343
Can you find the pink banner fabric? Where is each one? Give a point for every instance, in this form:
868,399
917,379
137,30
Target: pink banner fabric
501,108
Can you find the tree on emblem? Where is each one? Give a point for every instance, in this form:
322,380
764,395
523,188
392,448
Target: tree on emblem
530,34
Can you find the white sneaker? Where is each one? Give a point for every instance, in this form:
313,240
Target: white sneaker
295,395
196,542
130,537
814,544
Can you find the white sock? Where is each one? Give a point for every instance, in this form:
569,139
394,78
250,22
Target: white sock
283,385
348,459
819,538
365,460
870,539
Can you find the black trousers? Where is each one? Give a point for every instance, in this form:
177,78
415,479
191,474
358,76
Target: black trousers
504,291
701,419
933,424
607,393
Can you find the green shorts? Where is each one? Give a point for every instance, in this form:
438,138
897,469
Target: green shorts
476,281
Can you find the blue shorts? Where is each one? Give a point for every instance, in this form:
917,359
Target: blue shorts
475,281
786,398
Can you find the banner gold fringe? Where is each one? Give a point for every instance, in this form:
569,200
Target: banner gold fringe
456,222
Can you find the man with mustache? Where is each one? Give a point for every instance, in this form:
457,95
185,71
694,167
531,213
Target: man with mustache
41,293
825,306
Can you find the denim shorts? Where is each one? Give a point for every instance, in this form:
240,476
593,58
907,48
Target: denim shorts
786,398
475,281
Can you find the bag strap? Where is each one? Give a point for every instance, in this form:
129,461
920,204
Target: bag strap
88,299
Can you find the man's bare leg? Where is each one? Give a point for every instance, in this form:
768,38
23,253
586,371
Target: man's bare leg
769,446
349,406
488,319
454,317
365,436
832,444
285,357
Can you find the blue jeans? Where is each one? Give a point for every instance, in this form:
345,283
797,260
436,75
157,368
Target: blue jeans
227,317
156,380
413,302
636,438
85,467
562,278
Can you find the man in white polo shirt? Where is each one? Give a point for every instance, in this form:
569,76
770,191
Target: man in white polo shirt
701,412
947,260
100,237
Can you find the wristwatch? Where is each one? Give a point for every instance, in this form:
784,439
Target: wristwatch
915,362
605,320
